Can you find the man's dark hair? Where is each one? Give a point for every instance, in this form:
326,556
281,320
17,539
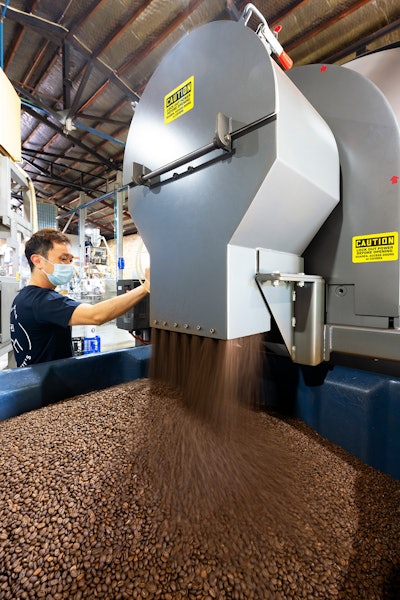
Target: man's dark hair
42,241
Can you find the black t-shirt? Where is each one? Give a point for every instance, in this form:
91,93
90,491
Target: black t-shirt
39,325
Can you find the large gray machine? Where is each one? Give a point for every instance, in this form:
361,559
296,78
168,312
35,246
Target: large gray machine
266,198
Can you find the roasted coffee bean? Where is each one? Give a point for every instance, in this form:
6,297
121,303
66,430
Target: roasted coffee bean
136,492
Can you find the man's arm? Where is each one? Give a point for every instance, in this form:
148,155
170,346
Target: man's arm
107,310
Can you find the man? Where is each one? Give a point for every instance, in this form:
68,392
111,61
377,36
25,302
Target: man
41,318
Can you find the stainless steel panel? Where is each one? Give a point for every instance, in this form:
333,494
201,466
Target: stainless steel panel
368,138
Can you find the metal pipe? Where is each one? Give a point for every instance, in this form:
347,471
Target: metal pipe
203,150
179,161
119,232
82,239
94,201
3,13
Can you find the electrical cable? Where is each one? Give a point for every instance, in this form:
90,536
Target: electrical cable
139,339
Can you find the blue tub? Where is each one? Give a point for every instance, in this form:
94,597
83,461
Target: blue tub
353,408
22,390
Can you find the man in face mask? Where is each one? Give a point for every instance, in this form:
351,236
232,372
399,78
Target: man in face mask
41,318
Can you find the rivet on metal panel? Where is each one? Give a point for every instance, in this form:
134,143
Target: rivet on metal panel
341,291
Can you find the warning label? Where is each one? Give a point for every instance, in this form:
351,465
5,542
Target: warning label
375,247
179,101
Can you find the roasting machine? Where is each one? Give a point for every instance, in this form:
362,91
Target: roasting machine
270,197
225,192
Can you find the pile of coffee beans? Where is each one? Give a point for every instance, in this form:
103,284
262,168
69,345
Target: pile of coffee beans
127,493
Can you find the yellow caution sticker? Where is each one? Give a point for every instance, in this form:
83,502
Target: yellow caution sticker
375,247
179,101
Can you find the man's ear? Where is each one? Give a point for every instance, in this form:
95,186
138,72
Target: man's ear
36,259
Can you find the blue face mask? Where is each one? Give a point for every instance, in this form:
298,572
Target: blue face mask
62,273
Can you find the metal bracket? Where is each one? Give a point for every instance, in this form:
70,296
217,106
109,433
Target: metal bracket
138,172
223,138
299,311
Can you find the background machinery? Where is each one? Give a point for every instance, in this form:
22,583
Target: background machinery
17,207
